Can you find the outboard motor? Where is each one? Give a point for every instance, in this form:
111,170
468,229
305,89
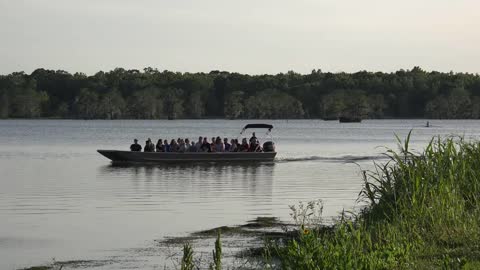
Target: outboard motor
269,147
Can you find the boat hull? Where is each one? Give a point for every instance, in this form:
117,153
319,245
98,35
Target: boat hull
118,156
350,120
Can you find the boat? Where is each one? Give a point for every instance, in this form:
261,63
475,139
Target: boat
268,153
344,119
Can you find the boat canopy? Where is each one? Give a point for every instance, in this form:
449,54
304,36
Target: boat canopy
269,127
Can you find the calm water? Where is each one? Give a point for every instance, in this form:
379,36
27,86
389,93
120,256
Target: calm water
60,199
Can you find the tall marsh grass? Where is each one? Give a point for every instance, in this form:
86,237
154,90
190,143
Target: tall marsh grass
423,212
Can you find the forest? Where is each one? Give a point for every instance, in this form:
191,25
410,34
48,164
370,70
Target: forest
154,94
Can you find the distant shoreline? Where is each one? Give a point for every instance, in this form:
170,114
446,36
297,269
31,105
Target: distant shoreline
238,119
154,94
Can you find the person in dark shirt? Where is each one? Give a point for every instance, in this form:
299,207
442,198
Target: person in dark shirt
149,146
173,146
205,146
135,146
253,143
226,145
253,139
166,146
159,146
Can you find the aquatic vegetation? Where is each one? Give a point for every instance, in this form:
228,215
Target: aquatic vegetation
187,259
188,263
422,212
217,254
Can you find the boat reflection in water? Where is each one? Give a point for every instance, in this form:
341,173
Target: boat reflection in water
200,180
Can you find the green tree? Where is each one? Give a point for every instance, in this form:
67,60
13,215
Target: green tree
234,105
437,108
87,104
333,104
112,105
356,104
459,104
146,104
195,105
4,104
173,103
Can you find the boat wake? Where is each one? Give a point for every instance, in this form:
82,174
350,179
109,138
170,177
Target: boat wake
342,159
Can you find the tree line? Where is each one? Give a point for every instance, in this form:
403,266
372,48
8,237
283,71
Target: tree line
154,94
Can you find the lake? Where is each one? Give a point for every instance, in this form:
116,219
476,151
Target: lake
60,199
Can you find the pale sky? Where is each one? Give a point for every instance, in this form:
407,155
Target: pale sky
247,36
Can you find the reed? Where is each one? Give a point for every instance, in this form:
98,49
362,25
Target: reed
217,254
187,258
422,212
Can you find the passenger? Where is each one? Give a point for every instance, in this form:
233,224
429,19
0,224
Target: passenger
226,145
135,147
212,145
238,145
205,146
159,146
244,147
198,145
166,146
149,147
187,145
192,147
173,146
152,145
181,146
219,147
253,145
146,148
253,139
233,146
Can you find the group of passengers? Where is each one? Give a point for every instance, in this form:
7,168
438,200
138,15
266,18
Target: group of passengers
202,145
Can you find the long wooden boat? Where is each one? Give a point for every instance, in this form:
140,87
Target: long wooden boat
118,156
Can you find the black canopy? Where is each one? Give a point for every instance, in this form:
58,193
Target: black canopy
258,126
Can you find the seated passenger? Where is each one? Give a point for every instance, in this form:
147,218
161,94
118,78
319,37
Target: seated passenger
226,145
159,146
135,147
187,145
166,146
181,146
205,146
173,146
149,147
192,147
219,147
198,145
238,145
244,147
233,146
212,145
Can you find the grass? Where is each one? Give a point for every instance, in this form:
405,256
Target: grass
422,213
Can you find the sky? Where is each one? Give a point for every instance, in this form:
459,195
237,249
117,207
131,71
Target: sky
246,36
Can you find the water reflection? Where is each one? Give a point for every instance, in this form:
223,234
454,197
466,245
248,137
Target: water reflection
142,187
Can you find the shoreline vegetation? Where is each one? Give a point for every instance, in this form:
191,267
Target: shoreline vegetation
154,94
422,212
